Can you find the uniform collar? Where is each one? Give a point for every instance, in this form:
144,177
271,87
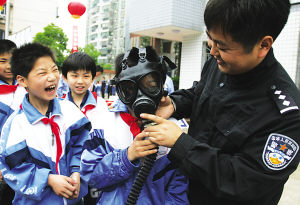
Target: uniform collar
88,99
33,115
2,82
254,76
118,106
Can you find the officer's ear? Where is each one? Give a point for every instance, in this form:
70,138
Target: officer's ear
264,45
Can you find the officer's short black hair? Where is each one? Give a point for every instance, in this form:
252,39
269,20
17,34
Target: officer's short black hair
24,58
79,61
6,46
247,21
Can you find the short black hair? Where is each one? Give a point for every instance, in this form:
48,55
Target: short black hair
78,61
247,21
99,68
24,58
6,46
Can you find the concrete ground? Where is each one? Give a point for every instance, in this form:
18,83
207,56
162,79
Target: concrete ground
291,192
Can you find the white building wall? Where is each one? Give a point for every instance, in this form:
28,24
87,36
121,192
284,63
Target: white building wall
192,14
191,56
286,46
148,14
33,13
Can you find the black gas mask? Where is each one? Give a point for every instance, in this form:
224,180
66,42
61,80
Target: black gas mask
141,86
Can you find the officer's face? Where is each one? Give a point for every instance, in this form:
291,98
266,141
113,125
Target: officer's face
230,55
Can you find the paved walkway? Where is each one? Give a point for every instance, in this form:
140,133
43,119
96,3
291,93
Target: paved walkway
291,192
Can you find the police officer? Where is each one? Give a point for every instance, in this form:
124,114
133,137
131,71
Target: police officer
244,135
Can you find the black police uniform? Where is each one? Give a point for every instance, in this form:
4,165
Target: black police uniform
243,138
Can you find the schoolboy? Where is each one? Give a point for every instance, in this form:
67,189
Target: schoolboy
79,71
111,159
41,142
11,94
243,139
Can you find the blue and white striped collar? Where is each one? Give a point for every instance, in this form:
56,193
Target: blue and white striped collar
118,106
88,99
33,115
2,82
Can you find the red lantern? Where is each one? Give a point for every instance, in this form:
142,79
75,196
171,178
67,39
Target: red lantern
76,9
2,2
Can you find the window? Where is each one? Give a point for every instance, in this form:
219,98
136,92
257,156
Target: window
2,33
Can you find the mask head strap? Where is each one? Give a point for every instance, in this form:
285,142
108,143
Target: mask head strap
142,55
124,61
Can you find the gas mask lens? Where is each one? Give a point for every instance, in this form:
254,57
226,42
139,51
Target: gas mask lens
127,90
149,84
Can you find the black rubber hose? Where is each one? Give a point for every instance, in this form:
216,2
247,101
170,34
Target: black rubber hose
140,179
143,173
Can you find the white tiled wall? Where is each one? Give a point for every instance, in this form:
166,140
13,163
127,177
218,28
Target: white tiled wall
286,46
148,14
191,55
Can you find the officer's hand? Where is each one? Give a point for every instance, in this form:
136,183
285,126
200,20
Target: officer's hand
165,133
165,108
140,147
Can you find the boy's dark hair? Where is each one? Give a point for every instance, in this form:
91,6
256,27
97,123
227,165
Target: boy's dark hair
24,58
99,68
6,46
78,61
247,21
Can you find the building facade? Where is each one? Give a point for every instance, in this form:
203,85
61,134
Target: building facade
105,27
26,18
182,21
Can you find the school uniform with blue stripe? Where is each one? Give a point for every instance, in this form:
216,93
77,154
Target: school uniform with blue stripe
28,151
9,102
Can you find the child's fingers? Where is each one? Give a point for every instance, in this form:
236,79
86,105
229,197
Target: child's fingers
71,181
148,147
66,193
148,152
140,136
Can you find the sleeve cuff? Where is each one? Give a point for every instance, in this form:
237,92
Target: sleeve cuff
128,164
179,151
173,103
75,169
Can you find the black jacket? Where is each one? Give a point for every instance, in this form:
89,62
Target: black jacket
243,138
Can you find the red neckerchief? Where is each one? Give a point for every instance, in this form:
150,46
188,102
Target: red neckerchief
131,122
55,130
5,89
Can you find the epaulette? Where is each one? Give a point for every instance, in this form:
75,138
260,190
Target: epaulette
283,101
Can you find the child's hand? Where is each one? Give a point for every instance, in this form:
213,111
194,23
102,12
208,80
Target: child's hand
140,147
76,177
62,185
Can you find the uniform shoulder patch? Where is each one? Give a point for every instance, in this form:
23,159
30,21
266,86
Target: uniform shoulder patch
283,101
279,151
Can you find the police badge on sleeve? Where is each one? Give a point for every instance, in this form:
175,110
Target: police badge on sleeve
279,151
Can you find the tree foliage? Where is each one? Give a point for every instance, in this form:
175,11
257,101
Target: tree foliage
92,51
55,38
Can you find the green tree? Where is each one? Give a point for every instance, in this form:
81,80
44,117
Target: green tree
92,51
55,38
107,66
